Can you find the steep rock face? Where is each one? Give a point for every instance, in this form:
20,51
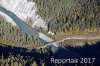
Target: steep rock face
24,10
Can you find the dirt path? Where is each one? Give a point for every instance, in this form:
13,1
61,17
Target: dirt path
56,43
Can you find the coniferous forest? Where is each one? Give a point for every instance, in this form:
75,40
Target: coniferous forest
70,15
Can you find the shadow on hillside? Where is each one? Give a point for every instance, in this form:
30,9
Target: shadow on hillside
31,56
87,51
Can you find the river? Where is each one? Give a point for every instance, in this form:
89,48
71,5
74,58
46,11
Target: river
21,24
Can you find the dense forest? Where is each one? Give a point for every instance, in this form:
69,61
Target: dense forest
70,15
14,36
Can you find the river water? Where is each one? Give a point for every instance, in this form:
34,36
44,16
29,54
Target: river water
21,24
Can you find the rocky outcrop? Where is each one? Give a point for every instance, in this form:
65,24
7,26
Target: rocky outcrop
24,9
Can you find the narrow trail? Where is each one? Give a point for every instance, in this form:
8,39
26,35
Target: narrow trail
56,43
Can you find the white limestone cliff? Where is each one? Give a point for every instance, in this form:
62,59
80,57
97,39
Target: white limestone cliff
24,9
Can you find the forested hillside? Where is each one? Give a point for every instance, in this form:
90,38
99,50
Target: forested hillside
70,15
63,17
74,27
